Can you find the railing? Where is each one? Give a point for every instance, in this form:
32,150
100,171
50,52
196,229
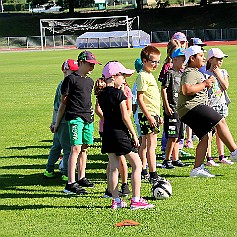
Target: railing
60,41
204,34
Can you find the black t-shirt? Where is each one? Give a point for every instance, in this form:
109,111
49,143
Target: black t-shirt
78,89
171,81
109,101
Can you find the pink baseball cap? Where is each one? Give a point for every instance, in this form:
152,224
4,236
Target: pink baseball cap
112,68
215,52
179,36
88,57
70,64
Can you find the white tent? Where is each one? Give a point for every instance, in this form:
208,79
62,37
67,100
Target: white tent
113,39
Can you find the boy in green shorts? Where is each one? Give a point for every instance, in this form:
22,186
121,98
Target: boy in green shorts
76,92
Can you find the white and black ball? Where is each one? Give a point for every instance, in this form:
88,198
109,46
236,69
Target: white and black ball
162,189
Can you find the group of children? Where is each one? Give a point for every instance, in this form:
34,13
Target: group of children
185,101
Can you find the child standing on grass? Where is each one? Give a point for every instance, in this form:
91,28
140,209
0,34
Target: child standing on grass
76,92
218,98
173,127
194,111
61,138
148,97
116,139
123,168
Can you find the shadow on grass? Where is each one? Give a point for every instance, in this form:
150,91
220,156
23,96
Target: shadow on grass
27,147
31,207
45,157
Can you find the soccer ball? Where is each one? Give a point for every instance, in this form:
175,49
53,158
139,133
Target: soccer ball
60,165
161,189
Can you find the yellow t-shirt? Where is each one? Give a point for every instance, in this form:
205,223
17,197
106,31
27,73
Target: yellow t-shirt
146,83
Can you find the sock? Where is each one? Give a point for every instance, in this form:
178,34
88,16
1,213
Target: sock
136,199
144,171
209,158
221,157
153,174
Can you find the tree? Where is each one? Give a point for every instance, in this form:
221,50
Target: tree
139,4
71,6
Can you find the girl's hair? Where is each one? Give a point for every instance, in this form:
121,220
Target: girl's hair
171,46
208,65
99,86
148,50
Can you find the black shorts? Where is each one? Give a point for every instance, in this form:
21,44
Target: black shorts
145,126
201,119
117,141
173,127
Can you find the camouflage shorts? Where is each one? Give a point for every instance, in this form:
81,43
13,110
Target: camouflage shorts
145,126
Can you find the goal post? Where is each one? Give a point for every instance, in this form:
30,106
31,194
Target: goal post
72,25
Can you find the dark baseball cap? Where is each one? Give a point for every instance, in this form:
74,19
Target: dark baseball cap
87,56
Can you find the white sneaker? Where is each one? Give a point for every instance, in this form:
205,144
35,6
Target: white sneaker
233,157
226,161
201,172
212,163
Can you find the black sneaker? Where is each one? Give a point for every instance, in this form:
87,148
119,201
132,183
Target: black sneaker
167,164
84,182
107,194
153,180
124,190
178,163
74,188
144,176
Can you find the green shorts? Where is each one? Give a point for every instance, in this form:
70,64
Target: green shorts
81,132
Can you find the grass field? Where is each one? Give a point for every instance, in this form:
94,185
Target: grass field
33,206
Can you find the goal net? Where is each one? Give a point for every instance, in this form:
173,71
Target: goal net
71,26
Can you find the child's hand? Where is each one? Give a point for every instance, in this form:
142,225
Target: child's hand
136,141
51,127
216,71
168,111
152,122
209,82
161,120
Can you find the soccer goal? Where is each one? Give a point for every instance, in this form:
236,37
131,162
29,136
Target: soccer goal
55,28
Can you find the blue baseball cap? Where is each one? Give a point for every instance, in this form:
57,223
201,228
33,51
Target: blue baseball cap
196,41
138,64
178,52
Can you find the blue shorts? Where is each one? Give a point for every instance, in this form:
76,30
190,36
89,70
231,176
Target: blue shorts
81,132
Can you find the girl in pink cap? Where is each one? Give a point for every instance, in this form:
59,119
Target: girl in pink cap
119,137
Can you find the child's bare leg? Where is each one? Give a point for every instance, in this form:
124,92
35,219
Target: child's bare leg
143,151
136,164
201,151
169,147
225,135
209,144
113,174
81,161
107,175
123,169
175,153
151,151
220,145
72,160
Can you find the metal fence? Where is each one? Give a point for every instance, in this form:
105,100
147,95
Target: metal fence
204,34
60,41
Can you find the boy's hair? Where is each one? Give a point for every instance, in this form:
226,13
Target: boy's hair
99,86
148,50
171,46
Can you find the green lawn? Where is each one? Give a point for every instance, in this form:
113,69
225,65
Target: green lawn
33,206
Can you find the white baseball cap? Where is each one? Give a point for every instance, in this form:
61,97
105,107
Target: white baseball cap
215,52
192,50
